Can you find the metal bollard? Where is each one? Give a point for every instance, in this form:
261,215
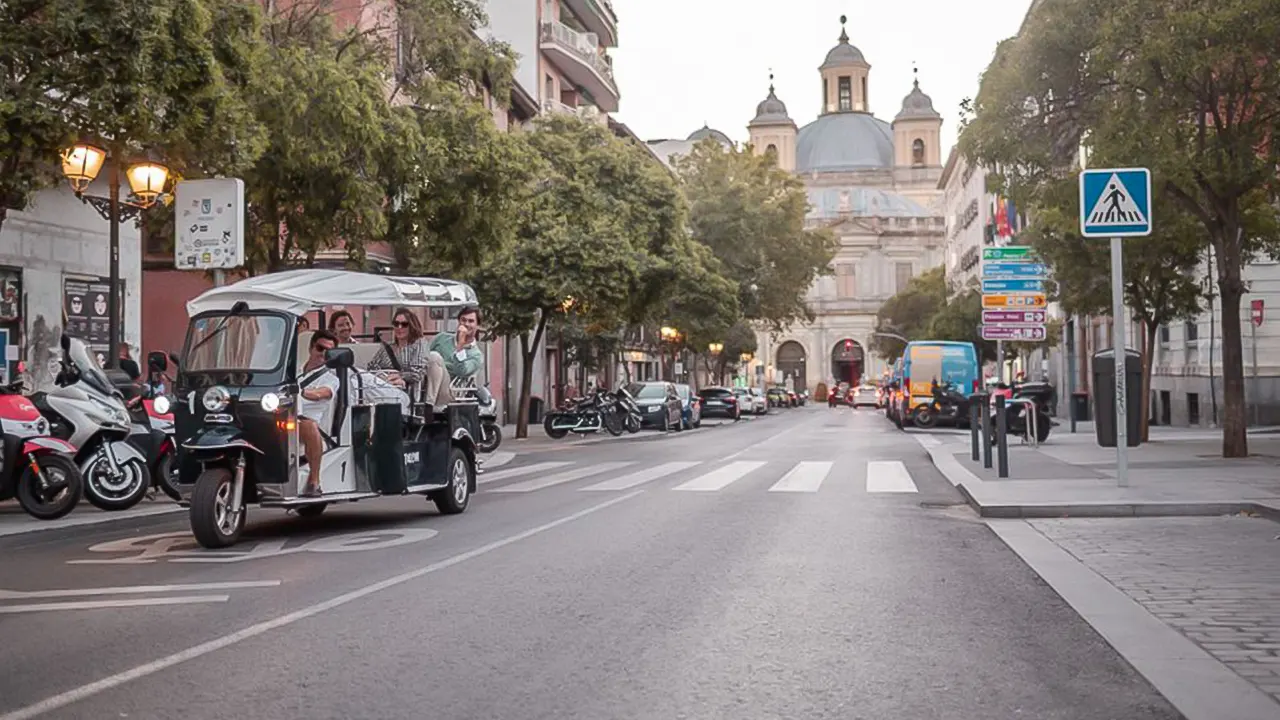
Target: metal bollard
986,434
976,402
1002,439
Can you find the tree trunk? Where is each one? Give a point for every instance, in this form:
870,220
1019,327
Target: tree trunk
1235,440
528,350
1148,360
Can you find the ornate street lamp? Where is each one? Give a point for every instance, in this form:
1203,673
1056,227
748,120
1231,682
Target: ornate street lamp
715,348
81,164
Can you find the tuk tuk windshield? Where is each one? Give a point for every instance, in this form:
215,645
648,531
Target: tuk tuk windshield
87,365
243,342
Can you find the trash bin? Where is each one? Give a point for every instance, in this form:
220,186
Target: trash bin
535,410
1104,397
1080,406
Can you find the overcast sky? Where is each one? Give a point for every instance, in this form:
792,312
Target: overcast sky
683,63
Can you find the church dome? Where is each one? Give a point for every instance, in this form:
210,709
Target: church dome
706,132
843,142
843,54
917,106
771,110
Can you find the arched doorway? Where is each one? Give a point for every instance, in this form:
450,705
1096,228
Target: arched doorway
791,361
847,361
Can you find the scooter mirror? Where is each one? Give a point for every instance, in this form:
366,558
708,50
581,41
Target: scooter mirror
65,341
157,361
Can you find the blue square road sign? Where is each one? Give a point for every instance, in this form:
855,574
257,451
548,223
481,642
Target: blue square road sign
1115,202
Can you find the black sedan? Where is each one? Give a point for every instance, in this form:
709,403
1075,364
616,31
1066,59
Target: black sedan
660,404
719,401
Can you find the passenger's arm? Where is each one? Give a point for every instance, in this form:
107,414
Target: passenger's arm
317,393
466,367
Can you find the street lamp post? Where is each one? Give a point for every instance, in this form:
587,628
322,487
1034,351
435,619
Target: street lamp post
715,349
81,164
669,336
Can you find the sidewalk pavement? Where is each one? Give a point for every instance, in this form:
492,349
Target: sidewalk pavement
15,521
1179,571
1178,472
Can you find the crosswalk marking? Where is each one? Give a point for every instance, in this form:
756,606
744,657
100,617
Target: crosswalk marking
721,477
805,477
564,477
889,476
517,472
627,482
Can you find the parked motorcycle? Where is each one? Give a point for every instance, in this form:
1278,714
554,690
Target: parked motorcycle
625,406
584,416
490,430
948,406
152,430
1016,420
37,469
89,413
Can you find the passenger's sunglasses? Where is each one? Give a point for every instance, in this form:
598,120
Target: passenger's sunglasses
399,323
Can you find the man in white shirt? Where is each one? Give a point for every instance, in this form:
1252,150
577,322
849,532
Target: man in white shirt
319,385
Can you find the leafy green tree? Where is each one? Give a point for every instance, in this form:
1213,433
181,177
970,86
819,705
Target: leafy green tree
752,216
153,75
909,313
1188,89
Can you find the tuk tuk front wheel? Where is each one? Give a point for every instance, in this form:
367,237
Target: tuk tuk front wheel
455,498
214,522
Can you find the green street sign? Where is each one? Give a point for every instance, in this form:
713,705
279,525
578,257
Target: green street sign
1012,252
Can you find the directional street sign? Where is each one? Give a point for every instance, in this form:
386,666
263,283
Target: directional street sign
1014,286
1010,253
1014,332
1014,270
1115,202
1036,300
1006,317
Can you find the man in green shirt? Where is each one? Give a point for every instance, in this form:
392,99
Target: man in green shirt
457,353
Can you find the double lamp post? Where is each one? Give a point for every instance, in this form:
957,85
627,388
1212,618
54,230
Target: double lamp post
147,178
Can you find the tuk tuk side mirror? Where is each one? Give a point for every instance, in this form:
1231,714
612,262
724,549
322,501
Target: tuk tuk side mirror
173,357
339,358
157,361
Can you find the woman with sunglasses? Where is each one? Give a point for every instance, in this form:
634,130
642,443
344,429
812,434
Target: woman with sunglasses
409,363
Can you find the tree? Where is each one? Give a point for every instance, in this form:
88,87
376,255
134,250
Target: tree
752,216
162,75
1189,88
581,243
909,313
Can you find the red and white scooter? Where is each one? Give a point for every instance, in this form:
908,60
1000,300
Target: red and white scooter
39,470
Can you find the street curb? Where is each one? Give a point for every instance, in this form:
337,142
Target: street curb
967,483
1197,684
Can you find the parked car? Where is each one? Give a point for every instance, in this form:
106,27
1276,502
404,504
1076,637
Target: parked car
690,407
660,405
866,395
748,403
719,402
760,404
778,396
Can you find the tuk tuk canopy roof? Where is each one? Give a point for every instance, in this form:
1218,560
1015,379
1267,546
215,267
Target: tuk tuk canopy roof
300,291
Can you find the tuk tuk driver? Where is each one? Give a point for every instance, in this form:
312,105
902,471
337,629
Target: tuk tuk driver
318,383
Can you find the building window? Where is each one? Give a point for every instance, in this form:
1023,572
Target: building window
846,281
771,150
846,94
864,101
917,152
1164,334
549,89
902,276
826,95
1192,331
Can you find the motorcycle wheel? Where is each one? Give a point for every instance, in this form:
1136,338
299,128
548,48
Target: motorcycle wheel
613,423
58,470
121,495
925,418
553,433
165,475
491,437
1043,424
633,424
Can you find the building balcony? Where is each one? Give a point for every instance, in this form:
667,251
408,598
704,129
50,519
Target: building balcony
578,57
587,112
597,16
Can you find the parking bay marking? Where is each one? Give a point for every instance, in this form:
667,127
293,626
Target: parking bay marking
106,604
180,547
6,595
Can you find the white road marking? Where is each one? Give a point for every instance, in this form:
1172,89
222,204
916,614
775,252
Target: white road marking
133,590
564,477
517,472
889,477
498,458
763,443
76,695
626,482
105,604
719,478
805,477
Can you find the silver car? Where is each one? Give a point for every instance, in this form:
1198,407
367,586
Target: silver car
865,395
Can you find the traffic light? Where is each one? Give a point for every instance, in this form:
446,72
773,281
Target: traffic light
848,346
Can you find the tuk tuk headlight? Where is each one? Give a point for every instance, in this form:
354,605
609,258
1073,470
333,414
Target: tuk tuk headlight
270,402
216,399
161,405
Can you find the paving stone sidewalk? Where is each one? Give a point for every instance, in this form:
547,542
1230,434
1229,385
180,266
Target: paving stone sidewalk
1216,580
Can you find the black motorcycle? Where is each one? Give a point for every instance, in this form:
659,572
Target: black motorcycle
949,406
584,416
1016,412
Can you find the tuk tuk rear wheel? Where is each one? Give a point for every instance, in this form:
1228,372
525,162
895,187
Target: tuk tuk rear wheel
455,498
213,522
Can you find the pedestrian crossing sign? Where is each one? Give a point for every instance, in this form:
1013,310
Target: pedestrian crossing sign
1115,202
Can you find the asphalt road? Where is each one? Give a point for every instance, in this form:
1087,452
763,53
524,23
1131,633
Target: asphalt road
810,564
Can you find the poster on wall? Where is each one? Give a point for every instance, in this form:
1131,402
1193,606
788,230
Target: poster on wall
10,323
84,303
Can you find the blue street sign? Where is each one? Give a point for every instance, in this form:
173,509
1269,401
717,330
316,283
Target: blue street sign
1115,202
1015,270
1008,286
